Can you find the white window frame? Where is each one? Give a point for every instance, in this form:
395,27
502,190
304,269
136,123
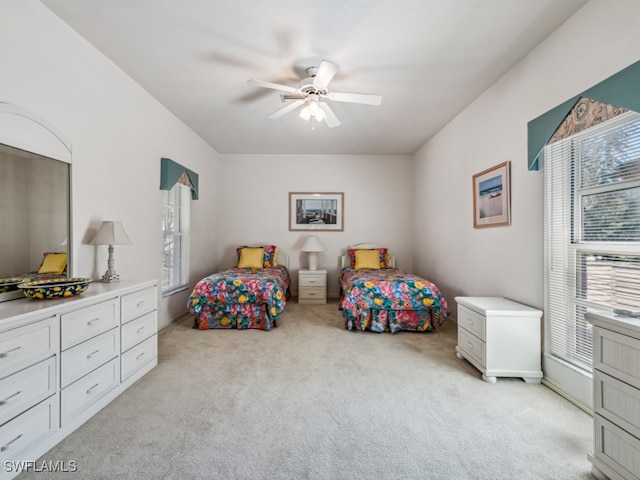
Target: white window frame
175,264
570,372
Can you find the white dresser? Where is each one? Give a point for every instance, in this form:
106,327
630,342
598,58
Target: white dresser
500,337
61,361
616,397
312,286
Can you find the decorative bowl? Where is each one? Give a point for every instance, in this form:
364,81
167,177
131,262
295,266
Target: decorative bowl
10,284
55,288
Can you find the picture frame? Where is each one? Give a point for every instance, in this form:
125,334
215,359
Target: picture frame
492,196
317,211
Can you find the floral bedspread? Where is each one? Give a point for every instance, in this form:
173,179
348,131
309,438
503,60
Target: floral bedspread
390,300
240,298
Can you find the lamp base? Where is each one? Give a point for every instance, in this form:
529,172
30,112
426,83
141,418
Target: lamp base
313,261
110,277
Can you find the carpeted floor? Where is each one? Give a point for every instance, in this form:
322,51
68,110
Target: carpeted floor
311,400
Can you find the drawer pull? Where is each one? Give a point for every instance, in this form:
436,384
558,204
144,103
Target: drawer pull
89,390
470,345
7,446
89,355
13,351
140,330
140,304
140,356
10,397
312,281
312,293
92,321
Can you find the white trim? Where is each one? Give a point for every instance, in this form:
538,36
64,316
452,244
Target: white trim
11,109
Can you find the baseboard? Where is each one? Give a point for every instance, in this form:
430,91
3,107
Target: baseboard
549,384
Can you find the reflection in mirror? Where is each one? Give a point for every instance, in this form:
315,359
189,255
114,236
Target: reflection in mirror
34,200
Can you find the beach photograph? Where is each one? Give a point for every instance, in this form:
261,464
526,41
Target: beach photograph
491,197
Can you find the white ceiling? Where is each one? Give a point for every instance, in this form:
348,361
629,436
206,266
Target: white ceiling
427,58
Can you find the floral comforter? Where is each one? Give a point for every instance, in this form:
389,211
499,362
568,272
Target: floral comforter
390,300
240,298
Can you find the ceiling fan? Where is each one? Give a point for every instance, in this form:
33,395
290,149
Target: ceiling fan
312,91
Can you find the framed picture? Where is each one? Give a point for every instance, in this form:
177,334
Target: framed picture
492,197
322,212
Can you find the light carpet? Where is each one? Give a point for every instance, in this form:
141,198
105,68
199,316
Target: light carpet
311,400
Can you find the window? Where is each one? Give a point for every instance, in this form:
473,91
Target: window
592,232
175,228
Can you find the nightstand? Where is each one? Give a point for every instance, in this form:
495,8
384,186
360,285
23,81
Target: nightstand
499,337
312,286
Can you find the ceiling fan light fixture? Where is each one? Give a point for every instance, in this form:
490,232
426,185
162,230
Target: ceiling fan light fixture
312,110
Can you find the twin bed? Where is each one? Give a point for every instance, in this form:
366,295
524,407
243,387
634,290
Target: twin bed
374,295
251,295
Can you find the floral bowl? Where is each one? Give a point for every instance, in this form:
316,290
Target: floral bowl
55,288
10,284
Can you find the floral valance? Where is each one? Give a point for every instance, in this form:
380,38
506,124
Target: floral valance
618,92
172,172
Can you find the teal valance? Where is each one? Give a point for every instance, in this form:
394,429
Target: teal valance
172,172
621,90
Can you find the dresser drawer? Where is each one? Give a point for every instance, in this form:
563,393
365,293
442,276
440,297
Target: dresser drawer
617,401
618,355
472,346
617,448
137,304
311,280
312,293
138,330
24,346
472,321
88,322
86,391
26,388
138,357
23,431
83,358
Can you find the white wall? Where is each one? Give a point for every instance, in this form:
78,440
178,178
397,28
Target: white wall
600,40
378,205
119,133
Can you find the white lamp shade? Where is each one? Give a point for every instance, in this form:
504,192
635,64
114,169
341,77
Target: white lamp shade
312,244
111,233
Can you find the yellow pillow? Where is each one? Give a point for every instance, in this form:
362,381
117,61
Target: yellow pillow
54,263
251,258
368,259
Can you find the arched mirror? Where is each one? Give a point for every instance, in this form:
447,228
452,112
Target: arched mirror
35,200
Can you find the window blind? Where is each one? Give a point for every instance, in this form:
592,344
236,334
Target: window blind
592,232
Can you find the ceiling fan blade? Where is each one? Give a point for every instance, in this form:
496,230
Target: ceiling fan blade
325,74
287,109
275,86
331,119
364,98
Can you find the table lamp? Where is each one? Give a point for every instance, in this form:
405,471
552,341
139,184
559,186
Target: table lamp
312,246
111,233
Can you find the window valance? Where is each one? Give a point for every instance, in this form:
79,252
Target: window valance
172,172
620,90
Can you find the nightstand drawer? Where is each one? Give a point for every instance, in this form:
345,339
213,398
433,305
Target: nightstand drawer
311,280
312,293
471,321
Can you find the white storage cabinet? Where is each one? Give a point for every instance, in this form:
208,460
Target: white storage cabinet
500,337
